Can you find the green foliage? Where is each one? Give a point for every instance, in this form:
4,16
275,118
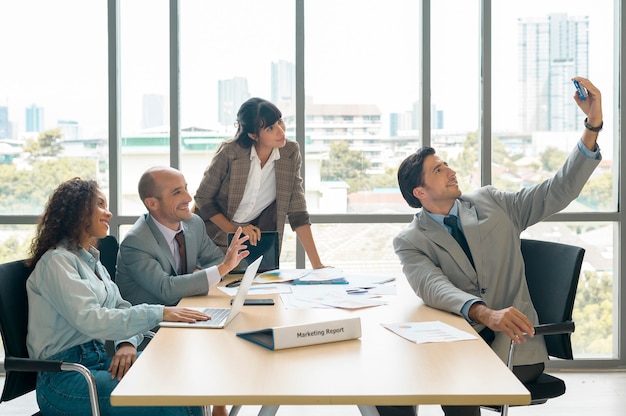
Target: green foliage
598,192
26,191
346,165
466,164
552,159
593,314
48,144
389,179
14,248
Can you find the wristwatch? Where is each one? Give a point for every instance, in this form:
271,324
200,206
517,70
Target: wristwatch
590,127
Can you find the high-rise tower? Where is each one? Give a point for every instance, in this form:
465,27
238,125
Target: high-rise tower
552,50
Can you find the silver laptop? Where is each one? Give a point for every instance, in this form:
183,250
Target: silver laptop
220,317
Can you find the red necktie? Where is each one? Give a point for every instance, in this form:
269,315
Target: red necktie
180,239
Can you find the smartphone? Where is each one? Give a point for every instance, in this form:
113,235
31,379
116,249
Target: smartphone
581,91
234,283
256,302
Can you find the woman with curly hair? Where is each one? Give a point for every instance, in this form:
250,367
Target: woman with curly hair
74,306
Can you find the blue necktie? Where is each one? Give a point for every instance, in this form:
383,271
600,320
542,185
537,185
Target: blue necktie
453,222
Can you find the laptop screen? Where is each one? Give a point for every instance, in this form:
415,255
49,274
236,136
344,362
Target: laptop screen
267,247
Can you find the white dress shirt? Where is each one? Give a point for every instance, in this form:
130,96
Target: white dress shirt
212,273
260,188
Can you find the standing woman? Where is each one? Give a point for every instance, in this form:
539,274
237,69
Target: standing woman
73,306
254,182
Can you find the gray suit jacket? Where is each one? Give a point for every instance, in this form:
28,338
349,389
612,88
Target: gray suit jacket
224,183
146,270
442,275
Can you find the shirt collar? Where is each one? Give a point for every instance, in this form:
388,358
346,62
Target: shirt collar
167,232
275,155
87,255
439,217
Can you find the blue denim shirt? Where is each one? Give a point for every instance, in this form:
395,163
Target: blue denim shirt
69,305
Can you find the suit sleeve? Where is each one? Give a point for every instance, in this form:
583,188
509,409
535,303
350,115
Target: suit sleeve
428,280
210,188
533,204
209,254
297,212
140,261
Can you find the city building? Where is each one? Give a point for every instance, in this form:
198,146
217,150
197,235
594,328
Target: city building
5,124
283,82
34,119
552,49
231,94
70,129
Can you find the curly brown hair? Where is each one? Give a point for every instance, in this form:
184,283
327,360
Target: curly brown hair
67,216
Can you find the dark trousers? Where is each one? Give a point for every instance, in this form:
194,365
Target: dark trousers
525,373
396,410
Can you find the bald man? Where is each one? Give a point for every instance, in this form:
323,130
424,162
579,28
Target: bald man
149,264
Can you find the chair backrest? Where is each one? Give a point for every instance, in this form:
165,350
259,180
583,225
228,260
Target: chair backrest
552,273
108,247
13,326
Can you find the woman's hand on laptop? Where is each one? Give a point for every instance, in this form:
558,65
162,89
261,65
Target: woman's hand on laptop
253,232
175,314
235,252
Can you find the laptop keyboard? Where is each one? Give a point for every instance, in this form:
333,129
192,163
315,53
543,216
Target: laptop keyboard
217,314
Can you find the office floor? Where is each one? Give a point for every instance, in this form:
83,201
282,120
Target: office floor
587,393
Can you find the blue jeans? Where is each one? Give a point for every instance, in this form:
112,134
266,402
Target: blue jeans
66,394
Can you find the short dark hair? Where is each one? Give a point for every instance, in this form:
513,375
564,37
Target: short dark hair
411,174
254,115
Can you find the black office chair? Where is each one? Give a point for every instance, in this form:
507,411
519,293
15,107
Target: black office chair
21,371
108,247
552,273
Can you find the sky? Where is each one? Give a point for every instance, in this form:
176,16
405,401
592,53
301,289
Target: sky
356,52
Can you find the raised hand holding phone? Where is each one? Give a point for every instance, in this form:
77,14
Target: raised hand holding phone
581,91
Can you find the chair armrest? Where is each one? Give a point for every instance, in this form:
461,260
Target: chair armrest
31,365
555,328
544,329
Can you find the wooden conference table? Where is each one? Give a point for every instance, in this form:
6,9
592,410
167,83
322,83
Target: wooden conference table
188,366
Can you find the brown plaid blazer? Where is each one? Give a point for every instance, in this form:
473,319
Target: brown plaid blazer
224,183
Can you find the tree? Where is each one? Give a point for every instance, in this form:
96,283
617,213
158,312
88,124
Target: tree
347,165
14,248
598,192
48,144
552,159
593,314
389,179
26,191
466,165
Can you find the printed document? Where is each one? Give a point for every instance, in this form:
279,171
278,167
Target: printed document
435,331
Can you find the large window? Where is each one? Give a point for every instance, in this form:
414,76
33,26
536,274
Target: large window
361,85
53,107
537,47
229,52
362,95
144,85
